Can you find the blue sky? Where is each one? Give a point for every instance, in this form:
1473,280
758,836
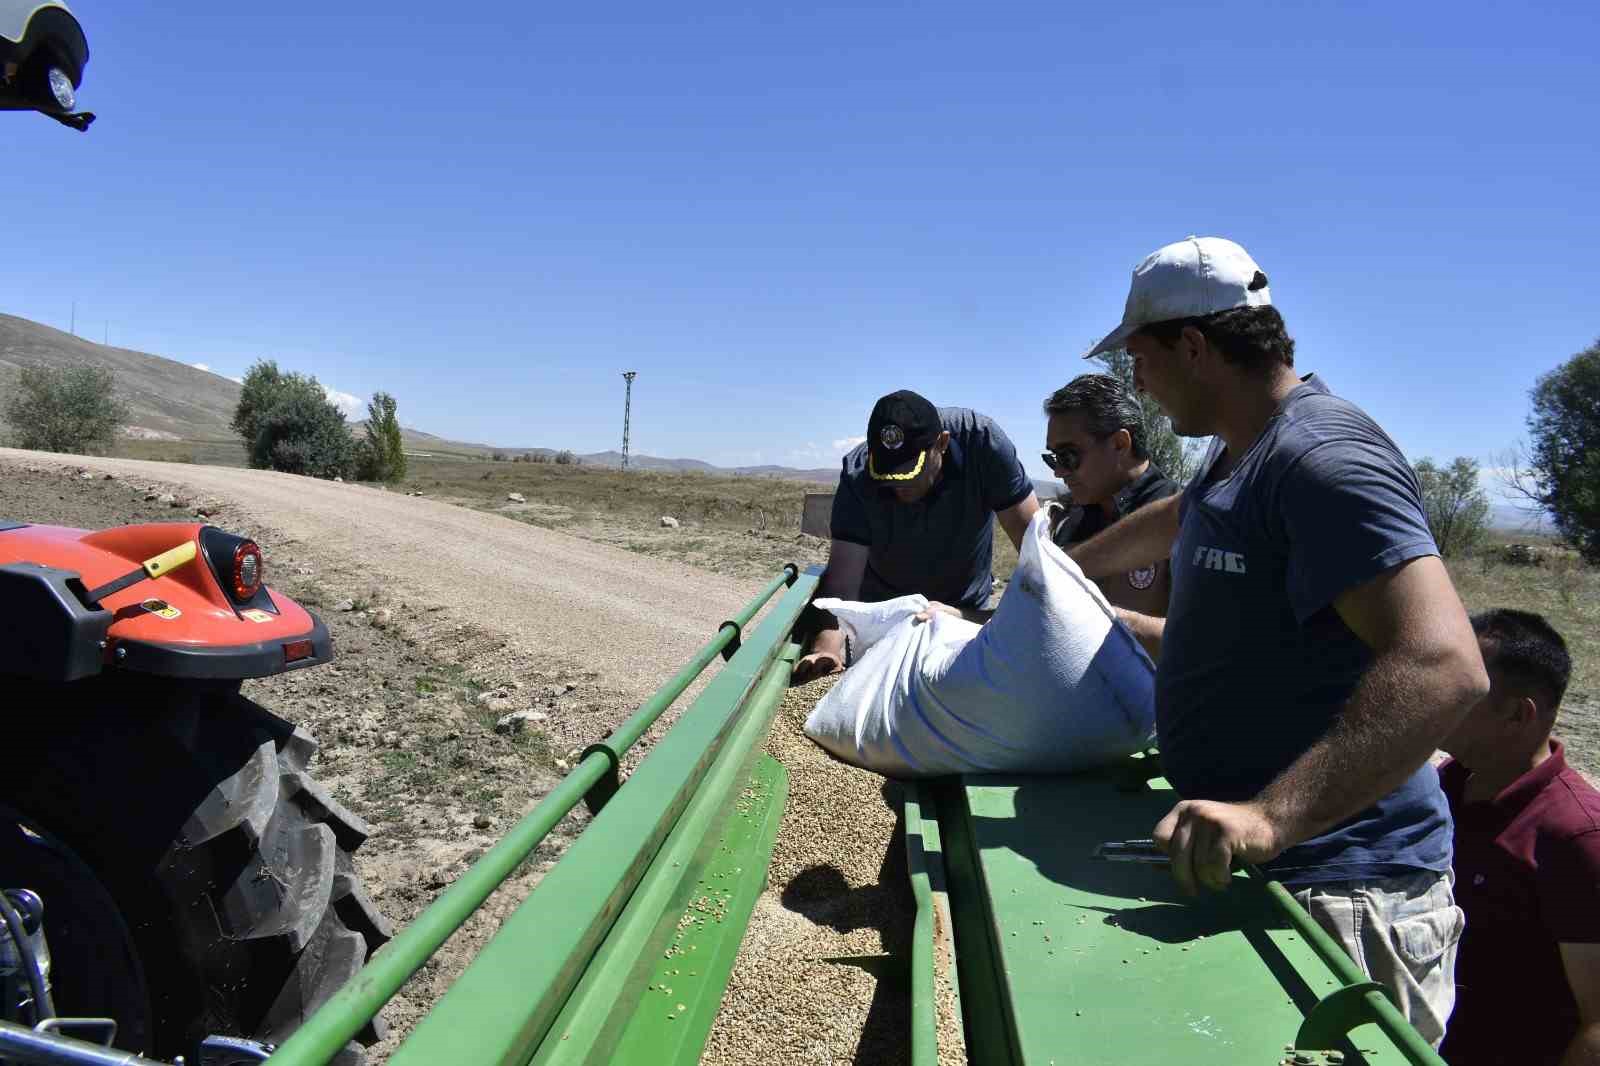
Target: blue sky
776,212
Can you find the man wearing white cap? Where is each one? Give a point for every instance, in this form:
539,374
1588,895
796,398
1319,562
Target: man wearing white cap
1315,652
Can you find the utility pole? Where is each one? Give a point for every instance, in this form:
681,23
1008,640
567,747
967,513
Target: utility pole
74,329
627,410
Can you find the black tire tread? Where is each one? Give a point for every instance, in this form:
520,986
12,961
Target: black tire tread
250,904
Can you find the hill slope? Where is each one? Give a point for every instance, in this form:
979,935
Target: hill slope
162,394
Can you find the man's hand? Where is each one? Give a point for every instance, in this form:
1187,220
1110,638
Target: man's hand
1204,838
935,607
817,664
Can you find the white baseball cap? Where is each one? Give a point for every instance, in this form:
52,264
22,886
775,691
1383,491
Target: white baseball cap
1186,279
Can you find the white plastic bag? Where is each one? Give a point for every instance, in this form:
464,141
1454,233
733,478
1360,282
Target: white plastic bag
1052,683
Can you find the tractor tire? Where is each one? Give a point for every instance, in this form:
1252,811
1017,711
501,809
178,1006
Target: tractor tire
229,866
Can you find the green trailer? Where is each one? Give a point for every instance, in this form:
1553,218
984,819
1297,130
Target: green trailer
1059,950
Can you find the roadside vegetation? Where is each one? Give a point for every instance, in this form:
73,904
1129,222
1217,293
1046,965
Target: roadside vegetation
1457,508
65,409
1561,473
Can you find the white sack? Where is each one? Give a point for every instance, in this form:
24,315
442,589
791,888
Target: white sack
1052,683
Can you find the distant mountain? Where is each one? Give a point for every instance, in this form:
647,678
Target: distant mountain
1508,518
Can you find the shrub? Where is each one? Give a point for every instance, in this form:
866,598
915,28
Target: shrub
65,409
381,455
1457,509
566,458
288,424
499,457
303,435
538,457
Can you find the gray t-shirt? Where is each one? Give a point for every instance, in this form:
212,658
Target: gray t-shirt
942,545
1256,664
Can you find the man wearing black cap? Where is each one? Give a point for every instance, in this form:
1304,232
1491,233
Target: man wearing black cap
915,511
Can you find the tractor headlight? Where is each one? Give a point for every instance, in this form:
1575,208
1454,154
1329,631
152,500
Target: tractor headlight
61,89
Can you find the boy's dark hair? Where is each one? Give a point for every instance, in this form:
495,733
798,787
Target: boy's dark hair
1106,403
1526,650
1251,338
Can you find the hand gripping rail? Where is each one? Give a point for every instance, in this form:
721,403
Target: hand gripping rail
569,949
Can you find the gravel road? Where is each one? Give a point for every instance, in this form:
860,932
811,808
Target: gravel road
631,619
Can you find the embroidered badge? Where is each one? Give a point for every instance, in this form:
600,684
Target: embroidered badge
1143,577
892,436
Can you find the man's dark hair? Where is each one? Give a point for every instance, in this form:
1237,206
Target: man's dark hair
1251,338
1527,651
1106,403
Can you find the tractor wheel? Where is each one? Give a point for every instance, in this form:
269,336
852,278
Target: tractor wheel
229,867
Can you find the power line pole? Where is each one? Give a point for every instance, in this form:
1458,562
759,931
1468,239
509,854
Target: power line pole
627,410
74,329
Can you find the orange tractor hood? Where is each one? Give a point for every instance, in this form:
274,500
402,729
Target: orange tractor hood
183,622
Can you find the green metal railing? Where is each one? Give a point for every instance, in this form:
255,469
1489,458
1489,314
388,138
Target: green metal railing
503,1003
922,837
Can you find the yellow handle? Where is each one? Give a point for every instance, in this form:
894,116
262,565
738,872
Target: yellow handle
170,560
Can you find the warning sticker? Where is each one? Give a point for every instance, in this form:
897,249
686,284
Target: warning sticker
256,615
162,608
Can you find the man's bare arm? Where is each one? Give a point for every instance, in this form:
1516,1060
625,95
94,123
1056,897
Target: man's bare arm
1014,519
1142,538
1582,963
1426,673
1147,629
847,563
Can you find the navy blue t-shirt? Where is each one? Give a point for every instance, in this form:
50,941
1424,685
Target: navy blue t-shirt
942,545
1256,664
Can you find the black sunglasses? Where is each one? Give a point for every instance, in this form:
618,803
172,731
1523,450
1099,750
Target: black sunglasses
1067,459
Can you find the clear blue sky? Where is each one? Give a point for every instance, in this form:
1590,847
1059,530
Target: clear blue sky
777,212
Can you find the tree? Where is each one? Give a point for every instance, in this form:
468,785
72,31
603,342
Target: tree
1457,508
1176,457
381,454
65,409
303,434
287,423
1565,453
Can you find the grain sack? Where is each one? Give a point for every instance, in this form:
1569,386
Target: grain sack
1052,683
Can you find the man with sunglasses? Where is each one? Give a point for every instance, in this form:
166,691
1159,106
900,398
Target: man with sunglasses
1096,441
915,512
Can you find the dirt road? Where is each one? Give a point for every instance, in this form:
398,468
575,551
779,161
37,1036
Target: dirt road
631,619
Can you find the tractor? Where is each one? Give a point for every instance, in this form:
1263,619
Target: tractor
175,882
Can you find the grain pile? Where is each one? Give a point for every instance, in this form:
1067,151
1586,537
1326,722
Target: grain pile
821,976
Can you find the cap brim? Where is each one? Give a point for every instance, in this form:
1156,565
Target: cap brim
1117,338
906,472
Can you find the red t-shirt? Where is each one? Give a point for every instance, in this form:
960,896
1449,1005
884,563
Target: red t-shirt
1528,876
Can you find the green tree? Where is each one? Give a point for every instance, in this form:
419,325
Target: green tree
1565,451
1457,509
303,434
287,423
65,409
381,454
1176,457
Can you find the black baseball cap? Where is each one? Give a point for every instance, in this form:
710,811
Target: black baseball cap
902,427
